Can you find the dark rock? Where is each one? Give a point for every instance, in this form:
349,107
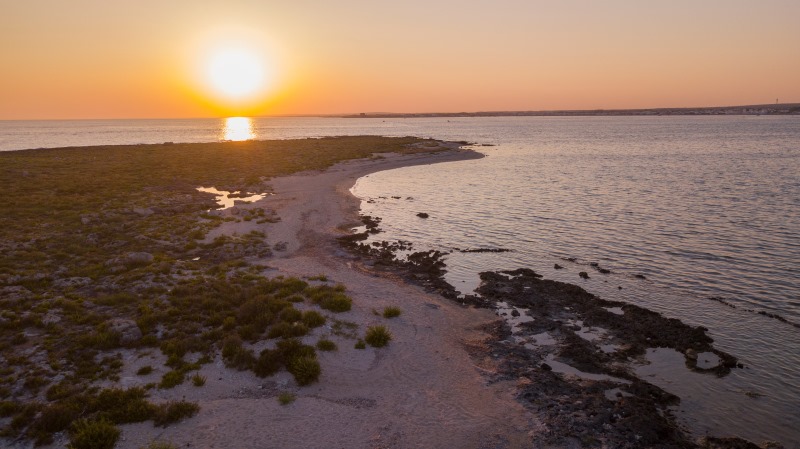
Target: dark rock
557,267
583,275
422,215
546,367
639,276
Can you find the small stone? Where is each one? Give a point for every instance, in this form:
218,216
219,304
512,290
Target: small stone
584,275
422,215
557,267
691,354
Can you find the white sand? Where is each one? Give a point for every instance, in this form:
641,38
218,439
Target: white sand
422,391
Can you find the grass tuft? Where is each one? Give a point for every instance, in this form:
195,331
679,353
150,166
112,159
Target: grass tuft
145,370
171,379
173,411
326,345
377,336
391,312
198,380
86,434
306,370
286,398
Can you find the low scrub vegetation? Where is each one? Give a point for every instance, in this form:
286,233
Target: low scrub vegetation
105,249
377,336
391,312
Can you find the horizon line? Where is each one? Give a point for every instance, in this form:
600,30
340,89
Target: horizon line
431,114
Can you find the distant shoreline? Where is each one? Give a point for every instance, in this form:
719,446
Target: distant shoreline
755,110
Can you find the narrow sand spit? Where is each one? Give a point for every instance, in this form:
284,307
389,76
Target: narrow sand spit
421,391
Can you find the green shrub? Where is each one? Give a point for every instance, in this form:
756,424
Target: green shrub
312,318
326,345
171,379
269,362
360,345
306,370
86,434
293,348
53,418
9,408
145,370
235,355
120,406
391,312
337,303
290,315
377,336
173,411
286,330
286,398
61,390
198,380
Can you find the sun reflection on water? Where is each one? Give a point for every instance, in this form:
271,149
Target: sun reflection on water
238,129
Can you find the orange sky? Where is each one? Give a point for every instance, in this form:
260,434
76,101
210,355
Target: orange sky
144,58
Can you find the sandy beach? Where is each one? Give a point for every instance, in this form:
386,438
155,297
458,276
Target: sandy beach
422,390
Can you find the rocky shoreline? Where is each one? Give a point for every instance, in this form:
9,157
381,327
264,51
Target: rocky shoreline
569,353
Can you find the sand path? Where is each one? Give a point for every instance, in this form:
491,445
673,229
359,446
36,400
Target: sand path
422,391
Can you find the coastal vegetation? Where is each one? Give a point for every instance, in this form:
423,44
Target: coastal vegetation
391,312
106,252
377,336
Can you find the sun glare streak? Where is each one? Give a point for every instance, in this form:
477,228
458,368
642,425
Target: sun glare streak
238,129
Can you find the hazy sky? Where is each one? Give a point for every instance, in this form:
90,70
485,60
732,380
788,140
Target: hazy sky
147,58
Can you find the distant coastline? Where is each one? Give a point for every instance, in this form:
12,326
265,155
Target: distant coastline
756,110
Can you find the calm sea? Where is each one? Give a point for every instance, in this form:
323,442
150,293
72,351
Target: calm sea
701,206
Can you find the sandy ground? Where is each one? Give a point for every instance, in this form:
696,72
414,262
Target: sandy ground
422,391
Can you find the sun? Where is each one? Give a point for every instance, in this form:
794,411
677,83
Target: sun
236,73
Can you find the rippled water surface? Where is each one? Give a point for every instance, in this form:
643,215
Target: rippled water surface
701,206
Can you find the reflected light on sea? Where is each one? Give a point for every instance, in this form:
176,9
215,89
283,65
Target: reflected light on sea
238,129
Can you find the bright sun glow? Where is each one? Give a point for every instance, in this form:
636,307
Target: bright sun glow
236,73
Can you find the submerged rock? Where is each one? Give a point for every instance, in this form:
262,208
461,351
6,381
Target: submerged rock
583,275
422,215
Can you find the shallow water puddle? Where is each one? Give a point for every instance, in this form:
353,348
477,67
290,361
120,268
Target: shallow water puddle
615,310
537,340
563,368
514,316
224,198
